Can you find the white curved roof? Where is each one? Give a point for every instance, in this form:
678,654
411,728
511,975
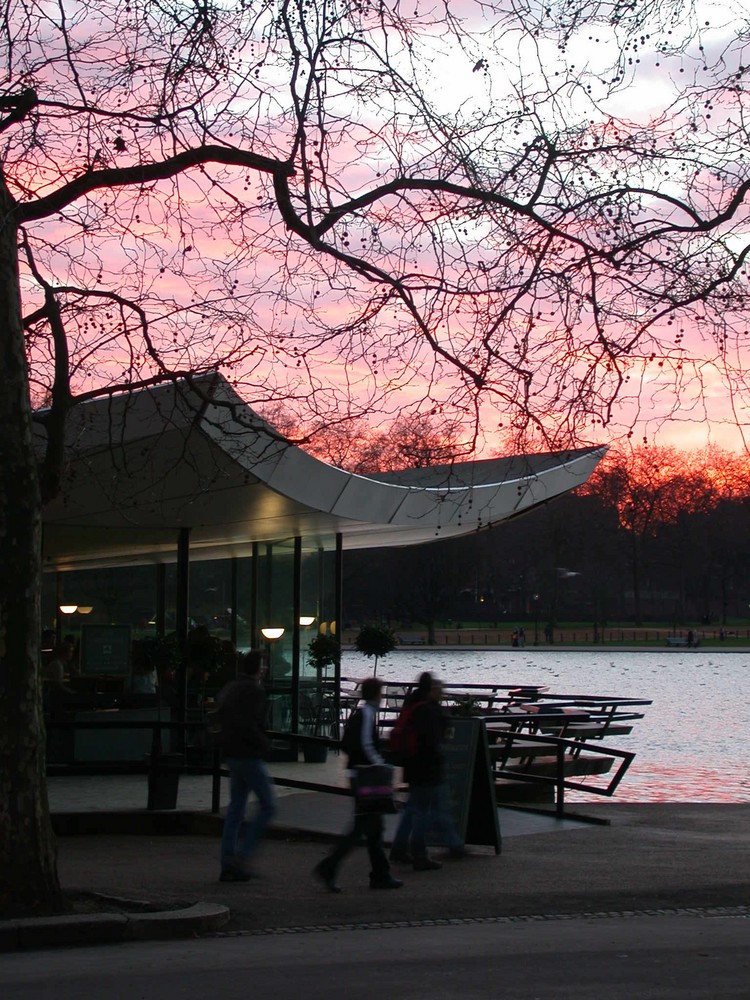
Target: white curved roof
142,465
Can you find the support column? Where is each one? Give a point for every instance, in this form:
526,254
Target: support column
254,581
339,611
161,599
58,613
296,612
233,596
182,624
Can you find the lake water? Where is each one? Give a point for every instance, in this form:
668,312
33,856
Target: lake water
693,744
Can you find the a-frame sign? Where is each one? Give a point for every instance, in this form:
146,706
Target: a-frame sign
471,787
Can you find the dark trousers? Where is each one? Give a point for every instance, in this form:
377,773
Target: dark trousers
369,826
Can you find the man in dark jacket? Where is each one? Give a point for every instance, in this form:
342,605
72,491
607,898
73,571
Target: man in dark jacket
365,750
241,714
424,770
401,846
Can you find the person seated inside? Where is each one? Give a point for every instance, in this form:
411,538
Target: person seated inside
56,671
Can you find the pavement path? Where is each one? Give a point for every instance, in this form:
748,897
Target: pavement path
650,857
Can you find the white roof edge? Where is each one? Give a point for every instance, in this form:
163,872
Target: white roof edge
287,468
453,499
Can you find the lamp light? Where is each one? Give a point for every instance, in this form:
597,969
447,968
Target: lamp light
69,609
272,632
85,609
306,620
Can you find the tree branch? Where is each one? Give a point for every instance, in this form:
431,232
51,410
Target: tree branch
20,103
114,177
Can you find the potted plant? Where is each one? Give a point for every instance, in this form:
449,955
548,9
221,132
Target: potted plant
323,652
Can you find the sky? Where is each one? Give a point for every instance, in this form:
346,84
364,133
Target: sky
167,247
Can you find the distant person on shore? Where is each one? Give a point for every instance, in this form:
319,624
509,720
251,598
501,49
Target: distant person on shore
363,749
239,725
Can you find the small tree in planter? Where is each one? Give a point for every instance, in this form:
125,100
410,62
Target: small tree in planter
323,652
375,640
467,706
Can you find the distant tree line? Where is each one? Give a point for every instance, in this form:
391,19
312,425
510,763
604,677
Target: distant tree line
657,534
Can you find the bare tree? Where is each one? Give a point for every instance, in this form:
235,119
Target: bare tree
347,200
412,440
654,487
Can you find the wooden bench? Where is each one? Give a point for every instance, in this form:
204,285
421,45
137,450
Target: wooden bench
676,640
554,761
533,756
598,730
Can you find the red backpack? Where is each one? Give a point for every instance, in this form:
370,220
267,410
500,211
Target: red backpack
402,742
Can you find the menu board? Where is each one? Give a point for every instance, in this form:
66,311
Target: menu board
471,788
105,649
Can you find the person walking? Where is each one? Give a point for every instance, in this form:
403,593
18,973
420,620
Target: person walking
363,749
424,771
240,717
401,846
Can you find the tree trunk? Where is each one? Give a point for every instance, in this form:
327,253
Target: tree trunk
28,864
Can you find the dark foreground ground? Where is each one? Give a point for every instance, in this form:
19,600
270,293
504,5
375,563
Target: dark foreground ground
650,857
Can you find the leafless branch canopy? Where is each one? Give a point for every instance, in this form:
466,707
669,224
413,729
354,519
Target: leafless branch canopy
527,216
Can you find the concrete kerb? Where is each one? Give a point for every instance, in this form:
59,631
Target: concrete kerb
110,928
652,855
70,930
83,930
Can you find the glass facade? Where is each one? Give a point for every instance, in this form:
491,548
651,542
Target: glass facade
280,598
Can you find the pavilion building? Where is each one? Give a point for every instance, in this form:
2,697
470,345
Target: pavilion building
183,513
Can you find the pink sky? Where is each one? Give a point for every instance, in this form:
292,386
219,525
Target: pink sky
169,249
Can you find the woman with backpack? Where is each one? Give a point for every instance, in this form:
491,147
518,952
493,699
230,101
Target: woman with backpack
361,745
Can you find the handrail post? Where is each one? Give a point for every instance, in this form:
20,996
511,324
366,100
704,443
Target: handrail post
560,803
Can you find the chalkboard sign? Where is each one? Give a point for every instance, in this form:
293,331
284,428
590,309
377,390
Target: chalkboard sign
471,788
105,649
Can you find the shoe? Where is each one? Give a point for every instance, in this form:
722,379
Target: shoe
234,875
426,865
400,856
457,852
385,882
325,874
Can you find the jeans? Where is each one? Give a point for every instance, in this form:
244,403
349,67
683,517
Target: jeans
370,826
240,836
429,811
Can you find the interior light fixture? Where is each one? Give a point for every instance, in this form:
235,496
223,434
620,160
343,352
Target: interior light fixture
69,609
306,620
85,609
271,633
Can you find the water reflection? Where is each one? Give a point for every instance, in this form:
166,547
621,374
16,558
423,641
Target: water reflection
693,744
